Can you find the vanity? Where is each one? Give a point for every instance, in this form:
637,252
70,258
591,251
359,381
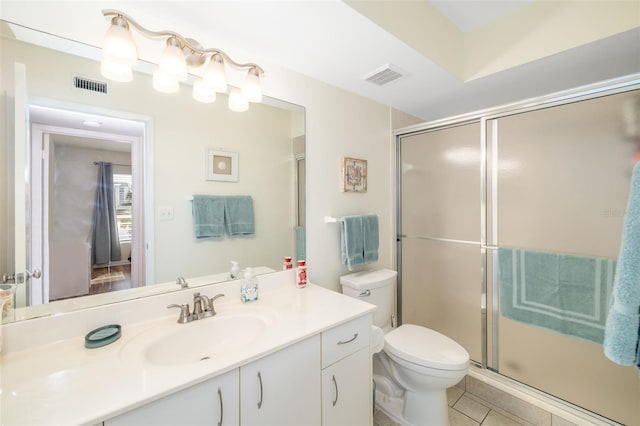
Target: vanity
295,356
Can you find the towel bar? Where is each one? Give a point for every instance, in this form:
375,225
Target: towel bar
329,219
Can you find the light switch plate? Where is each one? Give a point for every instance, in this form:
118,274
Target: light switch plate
166,213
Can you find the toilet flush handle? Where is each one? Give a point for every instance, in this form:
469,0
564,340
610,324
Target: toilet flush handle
365,293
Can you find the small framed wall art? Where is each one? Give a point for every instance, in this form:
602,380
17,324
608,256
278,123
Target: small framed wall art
354,175
222,165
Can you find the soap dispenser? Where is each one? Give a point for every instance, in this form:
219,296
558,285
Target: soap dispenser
249,288
235,270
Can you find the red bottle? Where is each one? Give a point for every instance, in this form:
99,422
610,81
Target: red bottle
301,274
287,263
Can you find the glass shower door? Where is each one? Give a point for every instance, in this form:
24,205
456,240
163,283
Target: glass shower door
440,248
562,180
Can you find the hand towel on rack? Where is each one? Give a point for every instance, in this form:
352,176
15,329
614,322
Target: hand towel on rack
371,243
208,216
351,241
300,243
238,212
622,331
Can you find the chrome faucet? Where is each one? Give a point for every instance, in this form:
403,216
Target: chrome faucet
203,305
202,308
181,282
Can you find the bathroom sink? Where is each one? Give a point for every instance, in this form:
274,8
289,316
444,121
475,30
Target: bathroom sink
198,341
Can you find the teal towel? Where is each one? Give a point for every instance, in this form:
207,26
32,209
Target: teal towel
208,216
238,215
564,293
622,334
352,241
371,243
301,247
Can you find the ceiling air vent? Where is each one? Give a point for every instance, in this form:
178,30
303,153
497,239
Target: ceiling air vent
384,75
90,85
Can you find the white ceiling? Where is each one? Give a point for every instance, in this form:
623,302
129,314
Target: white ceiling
469,15
331,42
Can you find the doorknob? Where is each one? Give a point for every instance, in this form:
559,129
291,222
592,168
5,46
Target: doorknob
19,278
35,274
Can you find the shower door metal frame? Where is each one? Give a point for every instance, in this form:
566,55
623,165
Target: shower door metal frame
486,116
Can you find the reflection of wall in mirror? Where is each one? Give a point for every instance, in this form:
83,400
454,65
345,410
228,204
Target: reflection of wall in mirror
183,128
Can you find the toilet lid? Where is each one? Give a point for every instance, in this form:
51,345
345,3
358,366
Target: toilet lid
426,347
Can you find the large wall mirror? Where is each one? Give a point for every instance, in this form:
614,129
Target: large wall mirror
64,132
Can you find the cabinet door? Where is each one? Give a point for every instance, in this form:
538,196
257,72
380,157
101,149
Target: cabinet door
283,388
346,391
214,402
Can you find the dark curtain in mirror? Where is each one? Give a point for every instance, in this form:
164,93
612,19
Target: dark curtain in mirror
105,244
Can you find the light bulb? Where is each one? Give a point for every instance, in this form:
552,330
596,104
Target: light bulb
237,102
214,74
252,90
116,69
202,92
165,83
118,42
172,61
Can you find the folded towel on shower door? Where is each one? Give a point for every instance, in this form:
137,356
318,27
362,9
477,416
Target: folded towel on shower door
208,216
622,333
238,215
560,292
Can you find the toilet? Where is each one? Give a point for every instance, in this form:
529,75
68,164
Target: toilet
412,365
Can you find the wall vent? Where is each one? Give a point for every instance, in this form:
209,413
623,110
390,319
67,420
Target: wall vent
84,83
384,75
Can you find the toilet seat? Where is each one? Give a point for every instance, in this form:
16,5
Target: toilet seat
426,347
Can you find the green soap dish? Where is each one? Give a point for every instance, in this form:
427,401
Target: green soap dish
102,336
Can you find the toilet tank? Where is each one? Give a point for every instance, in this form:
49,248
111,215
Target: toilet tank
375,287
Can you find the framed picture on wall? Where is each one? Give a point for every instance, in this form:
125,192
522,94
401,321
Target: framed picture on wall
354,175
222,165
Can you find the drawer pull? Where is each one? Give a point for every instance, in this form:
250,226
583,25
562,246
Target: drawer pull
365,293
343,342
335,384
221,407
261,394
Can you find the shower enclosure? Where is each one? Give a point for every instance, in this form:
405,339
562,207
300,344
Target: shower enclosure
509,225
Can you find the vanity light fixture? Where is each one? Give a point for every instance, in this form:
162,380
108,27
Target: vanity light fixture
119,55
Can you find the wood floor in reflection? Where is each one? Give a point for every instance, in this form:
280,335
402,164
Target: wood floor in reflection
114,278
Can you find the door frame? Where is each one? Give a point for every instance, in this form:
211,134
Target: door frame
141,160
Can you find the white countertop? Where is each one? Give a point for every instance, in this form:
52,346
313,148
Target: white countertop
62,382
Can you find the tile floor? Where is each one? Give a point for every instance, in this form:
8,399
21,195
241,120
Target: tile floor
468,409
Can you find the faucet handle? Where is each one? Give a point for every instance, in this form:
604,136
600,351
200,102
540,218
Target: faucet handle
185,315
209,303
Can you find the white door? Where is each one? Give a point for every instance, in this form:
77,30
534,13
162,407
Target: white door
28,291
